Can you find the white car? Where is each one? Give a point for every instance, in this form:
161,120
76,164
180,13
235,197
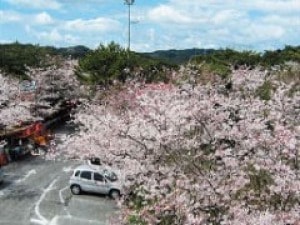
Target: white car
86,178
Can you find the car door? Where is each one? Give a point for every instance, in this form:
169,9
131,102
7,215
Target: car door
100,184
86,182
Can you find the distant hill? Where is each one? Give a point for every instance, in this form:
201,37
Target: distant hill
15,57
178,56
78,51
268,57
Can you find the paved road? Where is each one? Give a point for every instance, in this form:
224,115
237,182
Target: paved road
36,191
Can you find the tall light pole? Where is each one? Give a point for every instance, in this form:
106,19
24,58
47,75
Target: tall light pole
129,3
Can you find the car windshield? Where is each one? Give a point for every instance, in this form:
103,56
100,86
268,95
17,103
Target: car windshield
110,176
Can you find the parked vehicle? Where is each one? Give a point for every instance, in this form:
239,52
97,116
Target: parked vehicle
18,147
1,175
86,178
95,163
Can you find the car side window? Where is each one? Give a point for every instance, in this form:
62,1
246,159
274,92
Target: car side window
77,173
98,177
86,175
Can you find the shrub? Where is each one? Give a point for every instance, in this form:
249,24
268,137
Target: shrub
264,92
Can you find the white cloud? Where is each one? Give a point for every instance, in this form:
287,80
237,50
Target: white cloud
55,37
151,34
168,14
288,21
100,24
282,6
173,24
227,15
260,32
81,1
9,16
52,36
43,19
247,24
4,41
37,4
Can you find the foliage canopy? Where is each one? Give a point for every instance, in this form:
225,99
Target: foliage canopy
112,62
220,61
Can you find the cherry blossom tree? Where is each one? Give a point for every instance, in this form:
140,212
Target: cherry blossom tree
11,112
199,154
52,83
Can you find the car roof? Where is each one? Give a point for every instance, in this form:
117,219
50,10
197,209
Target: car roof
85,167
94,168
91,168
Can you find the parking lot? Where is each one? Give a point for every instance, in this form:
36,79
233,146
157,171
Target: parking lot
36,191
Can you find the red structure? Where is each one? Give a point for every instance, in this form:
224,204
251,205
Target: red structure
35,129
3,158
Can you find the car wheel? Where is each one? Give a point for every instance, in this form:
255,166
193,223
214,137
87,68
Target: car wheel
114,194
75,189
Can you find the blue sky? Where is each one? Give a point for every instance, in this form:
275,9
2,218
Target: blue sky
164,24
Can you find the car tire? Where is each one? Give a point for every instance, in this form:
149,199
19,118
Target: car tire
114,194
75,189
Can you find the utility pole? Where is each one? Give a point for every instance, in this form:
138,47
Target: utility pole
129,3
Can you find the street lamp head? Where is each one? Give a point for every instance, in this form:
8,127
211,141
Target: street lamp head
129,2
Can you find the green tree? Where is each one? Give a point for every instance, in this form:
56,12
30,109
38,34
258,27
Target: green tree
112,62
104,64
15,57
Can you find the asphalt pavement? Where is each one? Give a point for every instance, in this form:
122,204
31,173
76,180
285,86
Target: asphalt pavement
36,191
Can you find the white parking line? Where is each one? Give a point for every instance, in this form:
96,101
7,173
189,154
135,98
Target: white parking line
54,221
62,200
36,221
28,174
68,169
60,219
41,219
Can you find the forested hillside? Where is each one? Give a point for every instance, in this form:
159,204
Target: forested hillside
16,58
178,56
229,55
110,61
